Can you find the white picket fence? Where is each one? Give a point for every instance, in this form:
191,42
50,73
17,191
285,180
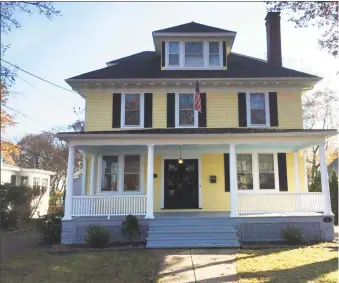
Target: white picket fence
109,205
279,202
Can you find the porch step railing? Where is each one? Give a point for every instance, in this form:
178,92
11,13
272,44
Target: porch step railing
279,202
109,205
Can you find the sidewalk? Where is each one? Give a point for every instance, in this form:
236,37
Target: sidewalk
203,266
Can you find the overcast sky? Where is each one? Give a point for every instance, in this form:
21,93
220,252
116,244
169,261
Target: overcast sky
89,34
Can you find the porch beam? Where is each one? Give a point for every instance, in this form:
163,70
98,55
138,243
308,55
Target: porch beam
324,180
69,184
233,181
150,172
296,172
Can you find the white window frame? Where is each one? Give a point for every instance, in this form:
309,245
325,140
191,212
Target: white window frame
196,115
121,174
220,54
255,173
167,52
142,109
182,55
248,111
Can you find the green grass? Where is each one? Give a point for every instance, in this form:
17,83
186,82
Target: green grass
35,265
318,263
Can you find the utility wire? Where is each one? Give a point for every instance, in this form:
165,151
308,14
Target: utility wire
23,114
46,81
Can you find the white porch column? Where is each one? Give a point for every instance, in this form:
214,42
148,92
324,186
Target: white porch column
84,173
233,181
91,191
296,172
69,184
99,165
305,171
324,180
150,165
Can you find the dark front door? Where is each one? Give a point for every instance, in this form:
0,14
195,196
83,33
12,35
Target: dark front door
181,184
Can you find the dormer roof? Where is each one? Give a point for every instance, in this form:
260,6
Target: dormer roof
193,27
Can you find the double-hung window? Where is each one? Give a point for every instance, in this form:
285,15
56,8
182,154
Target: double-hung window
24,180
173,53
257,109
110,170
186,116
194,54
132,173
244,172
266,172
36,181
257,171
122,174
214,57
132,114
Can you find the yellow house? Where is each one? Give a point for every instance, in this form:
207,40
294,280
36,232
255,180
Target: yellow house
203,145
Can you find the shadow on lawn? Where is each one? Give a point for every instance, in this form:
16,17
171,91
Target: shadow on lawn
300,274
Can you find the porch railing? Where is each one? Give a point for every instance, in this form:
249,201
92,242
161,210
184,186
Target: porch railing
108,205
279,202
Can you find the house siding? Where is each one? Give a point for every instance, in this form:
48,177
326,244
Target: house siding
222,111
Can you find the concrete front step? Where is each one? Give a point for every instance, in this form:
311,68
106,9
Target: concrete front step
194,221
193,244
192,229
191,236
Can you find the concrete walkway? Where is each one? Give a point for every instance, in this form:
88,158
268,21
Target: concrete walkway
203,266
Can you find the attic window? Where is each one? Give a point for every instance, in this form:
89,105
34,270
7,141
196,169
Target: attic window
194,55
173,53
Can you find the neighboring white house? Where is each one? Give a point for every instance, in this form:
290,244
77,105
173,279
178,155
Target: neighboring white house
29,177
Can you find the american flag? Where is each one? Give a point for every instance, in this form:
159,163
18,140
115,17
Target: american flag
197,99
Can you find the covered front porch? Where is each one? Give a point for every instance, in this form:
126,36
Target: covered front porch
216,191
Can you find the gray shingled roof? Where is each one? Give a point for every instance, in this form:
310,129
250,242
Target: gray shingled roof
192,27
146,65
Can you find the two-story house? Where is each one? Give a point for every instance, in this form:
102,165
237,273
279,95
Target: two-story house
233,172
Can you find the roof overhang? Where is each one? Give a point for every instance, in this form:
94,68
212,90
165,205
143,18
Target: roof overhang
211,85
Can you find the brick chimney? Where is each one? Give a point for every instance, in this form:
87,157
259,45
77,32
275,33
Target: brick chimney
273,38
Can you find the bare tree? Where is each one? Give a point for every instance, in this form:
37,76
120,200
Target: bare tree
320,111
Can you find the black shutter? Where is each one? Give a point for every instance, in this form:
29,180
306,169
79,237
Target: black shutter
13,179
202,119
163,54
282,172
148,110
170,110
242,109
227,172
272,97
116,114
224,54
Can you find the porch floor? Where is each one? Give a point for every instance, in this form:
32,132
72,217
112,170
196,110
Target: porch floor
202,214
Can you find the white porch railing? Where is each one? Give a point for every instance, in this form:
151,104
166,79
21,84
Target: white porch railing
109,205
279,202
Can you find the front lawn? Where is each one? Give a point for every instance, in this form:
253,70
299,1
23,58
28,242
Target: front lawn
318,263
35,265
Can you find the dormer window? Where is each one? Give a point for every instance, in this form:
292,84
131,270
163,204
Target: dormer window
214,53
173,53
188,54
194,54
